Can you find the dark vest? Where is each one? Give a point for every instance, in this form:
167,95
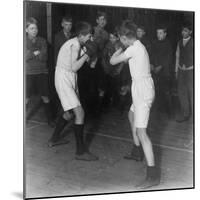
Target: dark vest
186,53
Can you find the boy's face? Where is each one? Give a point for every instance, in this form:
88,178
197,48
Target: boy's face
186,33
113,38
124,40
161,34
67,26
140,33
32,30
101,21
84,38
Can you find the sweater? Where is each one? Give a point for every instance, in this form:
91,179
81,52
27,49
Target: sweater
36,64
101,37
145,41
108,51
186,53
162,55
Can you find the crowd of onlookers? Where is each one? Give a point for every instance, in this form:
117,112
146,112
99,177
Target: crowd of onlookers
103,86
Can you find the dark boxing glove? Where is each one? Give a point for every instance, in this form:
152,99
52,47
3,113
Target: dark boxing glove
91,48
119,45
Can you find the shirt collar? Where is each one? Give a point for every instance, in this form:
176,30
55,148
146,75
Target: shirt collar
186,39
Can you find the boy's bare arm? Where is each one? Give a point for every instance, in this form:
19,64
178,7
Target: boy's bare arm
118,57
76,65
75,62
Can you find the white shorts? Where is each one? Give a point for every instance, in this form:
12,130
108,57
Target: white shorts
67,89
143,94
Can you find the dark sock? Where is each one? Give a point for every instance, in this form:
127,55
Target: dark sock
59,127
152,178
152,173
78,129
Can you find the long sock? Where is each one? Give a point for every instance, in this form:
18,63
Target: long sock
59,127
78,129
152,178
152,172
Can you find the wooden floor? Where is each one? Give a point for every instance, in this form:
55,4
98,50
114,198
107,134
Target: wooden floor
55,172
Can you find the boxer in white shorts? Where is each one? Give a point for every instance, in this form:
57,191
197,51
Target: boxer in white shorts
142,90
69,61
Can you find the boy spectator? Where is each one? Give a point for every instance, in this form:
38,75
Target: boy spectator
36,68
112,73
63,35
162,63
101,37
60,38
185,72
141,35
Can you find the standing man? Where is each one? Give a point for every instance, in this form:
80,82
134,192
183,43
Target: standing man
184,73
141,35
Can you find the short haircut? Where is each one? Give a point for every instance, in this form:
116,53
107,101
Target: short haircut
83,28
67,18
30,21
114,30
126,21
101,14
141,27
162,27
187,25
128,29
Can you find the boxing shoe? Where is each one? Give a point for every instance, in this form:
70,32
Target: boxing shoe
135,154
